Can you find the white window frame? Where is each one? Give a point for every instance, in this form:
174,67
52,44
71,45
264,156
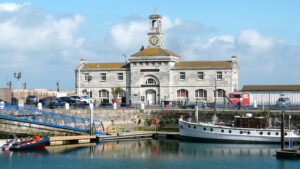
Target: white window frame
219,76
220,93
103,77
181,75
104,94
201,93
120,76
122,94
199,75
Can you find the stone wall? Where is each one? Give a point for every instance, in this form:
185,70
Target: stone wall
130,117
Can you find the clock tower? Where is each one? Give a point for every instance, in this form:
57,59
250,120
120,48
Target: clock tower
155,35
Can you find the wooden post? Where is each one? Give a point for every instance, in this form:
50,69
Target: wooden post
282,130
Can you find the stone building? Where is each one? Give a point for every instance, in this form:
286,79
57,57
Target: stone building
155,74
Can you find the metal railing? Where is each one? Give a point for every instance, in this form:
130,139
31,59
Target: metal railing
45,118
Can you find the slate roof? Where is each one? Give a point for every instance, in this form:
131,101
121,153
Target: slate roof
271,88
205,64
105,65
154,52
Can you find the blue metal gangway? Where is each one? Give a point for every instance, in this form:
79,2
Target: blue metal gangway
45,118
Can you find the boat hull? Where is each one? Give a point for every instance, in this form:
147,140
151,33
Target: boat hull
205,131
39,145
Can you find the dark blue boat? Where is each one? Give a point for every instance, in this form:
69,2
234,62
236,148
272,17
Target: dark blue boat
35,143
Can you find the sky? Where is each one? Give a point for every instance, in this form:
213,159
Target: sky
45,40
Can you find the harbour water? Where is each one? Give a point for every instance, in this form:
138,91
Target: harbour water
151,154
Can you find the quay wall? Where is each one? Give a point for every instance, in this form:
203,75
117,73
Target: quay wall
131,117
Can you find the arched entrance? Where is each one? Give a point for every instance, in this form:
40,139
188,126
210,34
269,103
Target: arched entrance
150,96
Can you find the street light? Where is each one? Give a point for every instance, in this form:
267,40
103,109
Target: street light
18,76
89,79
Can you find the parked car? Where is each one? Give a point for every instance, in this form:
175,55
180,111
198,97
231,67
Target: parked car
83,99
1,100
283,102
191,105
69,100
86,99
47,100
31,99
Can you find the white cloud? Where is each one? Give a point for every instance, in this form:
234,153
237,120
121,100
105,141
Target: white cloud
9,7
47,48
38,44
128,36
252,38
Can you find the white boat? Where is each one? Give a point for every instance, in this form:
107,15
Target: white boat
214,132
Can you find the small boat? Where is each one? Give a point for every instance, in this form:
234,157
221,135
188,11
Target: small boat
35,143
9,144
219,132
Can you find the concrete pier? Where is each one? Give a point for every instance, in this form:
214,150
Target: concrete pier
61,140
139,135
289,153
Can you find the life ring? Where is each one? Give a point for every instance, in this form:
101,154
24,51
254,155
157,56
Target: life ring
155,120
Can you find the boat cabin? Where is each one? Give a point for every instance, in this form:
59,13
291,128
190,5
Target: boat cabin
251,122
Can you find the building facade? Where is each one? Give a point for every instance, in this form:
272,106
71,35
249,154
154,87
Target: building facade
269,94
154,75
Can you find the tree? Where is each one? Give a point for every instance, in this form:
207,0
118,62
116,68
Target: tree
115,91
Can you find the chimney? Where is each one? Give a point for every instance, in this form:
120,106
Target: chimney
233,59
82,61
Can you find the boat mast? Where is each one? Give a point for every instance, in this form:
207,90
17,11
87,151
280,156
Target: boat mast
214,119
282,130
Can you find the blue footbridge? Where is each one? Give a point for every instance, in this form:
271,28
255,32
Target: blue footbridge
50,119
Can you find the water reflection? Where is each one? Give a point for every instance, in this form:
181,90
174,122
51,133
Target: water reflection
191,149
164,148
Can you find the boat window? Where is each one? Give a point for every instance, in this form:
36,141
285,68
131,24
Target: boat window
261,133
189,126
269,133
204,128
229,131
248,132
222,131
194,127
241,132
277,133
285,134
211,129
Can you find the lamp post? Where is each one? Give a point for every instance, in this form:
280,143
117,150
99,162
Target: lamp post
18,76
91,105
89,90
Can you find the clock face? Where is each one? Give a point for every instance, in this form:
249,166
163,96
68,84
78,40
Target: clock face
153,40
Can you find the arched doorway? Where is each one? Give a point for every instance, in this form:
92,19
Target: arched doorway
150,96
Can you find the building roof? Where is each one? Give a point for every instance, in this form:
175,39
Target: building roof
154,52
271,88
105,65
213,64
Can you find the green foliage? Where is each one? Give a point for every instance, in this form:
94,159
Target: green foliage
266,112
115,91
162,122
149,122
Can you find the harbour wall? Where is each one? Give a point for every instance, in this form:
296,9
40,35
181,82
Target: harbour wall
133,117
